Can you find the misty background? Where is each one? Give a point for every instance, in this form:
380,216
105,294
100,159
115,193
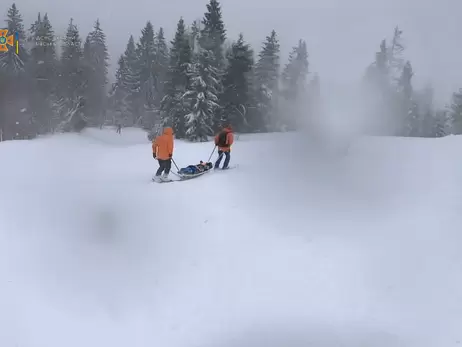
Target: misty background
336,69
341,36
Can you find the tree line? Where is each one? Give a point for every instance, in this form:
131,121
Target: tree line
395,107
198,82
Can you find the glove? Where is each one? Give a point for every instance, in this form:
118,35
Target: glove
154,155
170,156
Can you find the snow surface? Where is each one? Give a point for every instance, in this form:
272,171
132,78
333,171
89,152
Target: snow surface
324,250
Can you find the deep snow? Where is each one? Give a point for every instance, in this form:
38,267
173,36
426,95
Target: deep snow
322,250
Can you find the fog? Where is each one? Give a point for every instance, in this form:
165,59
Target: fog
342,36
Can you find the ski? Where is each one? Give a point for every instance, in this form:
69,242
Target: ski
228,168
162,180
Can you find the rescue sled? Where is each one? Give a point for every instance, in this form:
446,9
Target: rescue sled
193,171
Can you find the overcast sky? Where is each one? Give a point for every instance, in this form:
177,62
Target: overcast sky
342,35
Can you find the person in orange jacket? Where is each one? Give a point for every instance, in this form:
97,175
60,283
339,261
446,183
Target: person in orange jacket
224,141
162,150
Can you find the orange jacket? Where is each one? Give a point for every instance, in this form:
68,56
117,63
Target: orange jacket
229,140
163,145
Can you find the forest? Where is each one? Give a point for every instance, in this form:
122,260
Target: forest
196,82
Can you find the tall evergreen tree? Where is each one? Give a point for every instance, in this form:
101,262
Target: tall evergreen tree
236,85
96,59
118,95
43,68
72,82
386,96
408,111
177,81
15,88
395,59
212,37
295,88
456,112
125,89
11,62
160,65
267,79
443,124
194,36
202,95
294,76
146,56
213,33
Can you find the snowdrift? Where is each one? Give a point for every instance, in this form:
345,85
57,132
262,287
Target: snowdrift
294,248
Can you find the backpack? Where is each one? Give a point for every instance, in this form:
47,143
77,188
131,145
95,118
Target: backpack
222,139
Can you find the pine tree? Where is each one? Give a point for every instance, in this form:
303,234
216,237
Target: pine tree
34,28
212,37
408,111
378,72
202,95
236,85
194,36
295,73
213,33
295,88
160,65
385,99
177,81
72,82
442,123
456,112
96,68
125,89
118,95
146,56
267,78
14,82
395,60
10,62
43,69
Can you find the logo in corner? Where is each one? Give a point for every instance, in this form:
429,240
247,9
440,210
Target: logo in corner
5,40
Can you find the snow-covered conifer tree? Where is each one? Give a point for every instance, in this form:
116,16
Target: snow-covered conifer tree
174,106
202,95
43,69
267,79
96,59
236,86
456,112
72,82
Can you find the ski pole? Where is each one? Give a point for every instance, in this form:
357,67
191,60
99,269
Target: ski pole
214,148
175,165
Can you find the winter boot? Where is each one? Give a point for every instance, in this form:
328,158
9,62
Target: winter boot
156,178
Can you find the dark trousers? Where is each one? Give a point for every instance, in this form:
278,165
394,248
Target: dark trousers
220,156
165,166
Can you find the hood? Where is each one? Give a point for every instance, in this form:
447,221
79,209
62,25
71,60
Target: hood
168,131
228,129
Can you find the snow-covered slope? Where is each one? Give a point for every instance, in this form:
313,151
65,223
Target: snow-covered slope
291,249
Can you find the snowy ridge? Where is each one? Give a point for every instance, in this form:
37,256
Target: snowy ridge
362,250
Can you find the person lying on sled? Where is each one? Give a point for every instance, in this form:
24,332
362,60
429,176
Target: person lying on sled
195,169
